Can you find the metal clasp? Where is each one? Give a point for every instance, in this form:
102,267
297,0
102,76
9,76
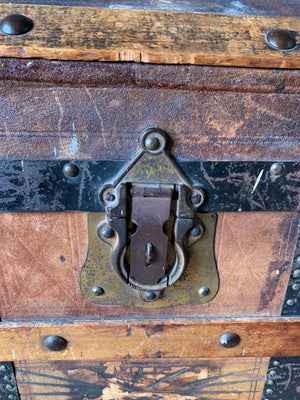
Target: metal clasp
150,208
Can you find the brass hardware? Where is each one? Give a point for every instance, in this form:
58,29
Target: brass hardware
16,24
150,234
55,343
280,39
229,340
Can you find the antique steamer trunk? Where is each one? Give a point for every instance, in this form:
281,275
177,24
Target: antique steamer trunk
149,198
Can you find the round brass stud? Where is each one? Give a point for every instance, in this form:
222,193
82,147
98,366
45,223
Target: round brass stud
229,340
55,343
280,39
71,170
16,24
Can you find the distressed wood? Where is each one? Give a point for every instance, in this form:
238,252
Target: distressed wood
284,8
39,277
83,33
232,379
117,339
98,111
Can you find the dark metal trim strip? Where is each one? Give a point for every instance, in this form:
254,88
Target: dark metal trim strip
230,186
8,384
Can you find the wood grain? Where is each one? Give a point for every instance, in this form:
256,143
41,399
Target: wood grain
148,36
42,255
98,111
172,379
284,8
117,339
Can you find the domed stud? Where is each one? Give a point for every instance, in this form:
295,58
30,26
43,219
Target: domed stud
229,340
55,343
16,24
280,39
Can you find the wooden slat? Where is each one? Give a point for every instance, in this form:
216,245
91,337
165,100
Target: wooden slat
82,33
170,379
106,340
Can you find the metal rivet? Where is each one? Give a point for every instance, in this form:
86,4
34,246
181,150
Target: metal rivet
298,260
229,340
149,296
152,143
71,170
7,378
55,343
296,273
107,232
204,291
9,387
272,372
3,368
16,24
269,391
197,197
290,302
196,231
98,291
296,286
276,363
11,396
109,197
277,169
270,382
280,39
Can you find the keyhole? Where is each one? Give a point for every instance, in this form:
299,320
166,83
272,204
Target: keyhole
149,253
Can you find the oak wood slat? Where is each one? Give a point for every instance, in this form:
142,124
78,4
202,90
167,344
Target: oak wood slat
109,339
82,33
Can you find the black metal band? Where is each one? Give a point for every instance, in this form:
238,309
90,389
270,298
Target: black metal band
63,186
8,384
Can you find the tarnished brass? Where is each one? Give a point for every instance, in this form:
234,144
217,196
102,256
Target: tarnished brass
201,271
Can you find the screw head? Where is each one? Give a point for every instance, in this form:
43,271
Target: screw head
269,391
272,372
107,232
7,378
16,24
10,397
196,231
197,197
204,291
277,169
280,39
152,143
9,387
296,286
98,291
270,382
55,343
290,302
3,368
276,363
71,170
109,197
229,340
149,296
296,273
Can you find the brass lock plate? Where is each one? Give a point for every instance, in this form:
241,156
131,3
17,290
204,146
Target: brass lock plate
198,284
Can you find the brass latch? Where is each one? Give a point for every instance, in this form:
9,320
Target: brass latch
150,225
